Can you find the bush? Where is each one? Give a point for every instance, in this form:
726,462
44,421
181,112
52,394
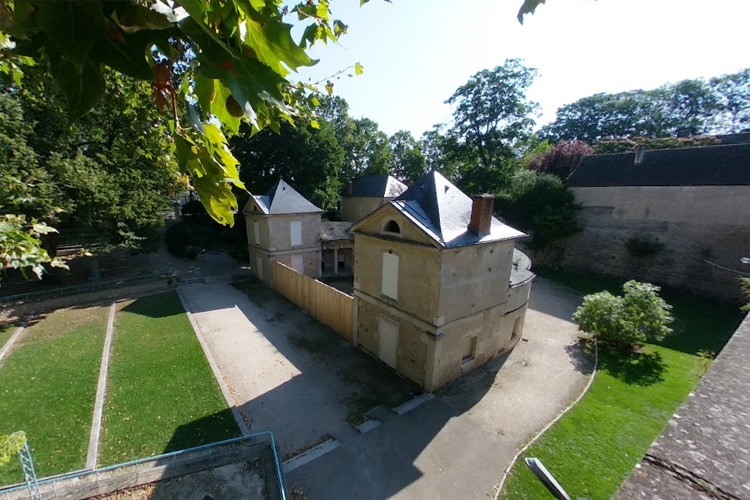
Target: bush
540,204
561,159
639,316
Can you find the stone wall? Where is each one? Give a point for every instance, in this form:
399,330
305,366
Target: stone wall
694,236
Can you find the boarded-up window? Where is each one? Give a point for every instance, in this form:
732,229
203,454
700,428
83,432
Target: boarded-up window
388,341
256,230
389,285
295,227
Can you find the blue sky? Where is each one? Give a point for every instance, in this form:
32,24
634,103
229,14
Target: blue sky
416,53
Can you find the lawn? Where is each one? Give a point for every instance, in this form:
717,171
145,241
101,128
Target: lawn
48,384
6,331
162,395
595,446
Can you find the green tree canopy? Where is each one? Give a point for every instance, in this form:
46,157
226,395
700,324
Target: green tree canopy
687,108
406,162
491,117
210,64
307,158
109,173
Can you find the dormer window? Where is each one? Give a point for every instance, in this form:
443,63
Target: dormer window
392,227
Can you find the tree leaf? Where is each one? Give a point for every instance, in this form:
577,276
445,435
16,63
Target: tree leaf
358,69
73,26
126,54
83,86
273,44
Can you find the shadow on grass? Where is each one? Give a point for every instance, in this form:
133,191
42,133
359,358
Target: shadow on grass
160,305
642,368
209,429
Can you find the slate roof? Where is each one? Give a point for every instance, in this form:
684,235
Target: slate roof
375,186
282,199
723,165
443,211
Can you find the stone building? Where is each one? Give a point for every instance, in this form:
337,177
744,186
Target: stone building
676,217
364,195
283,226
438,284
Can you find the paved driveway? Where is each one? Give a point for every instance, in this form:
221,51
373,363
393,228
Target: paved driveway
290,375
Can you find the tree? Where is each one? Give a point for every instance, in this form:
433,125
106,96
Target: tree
210,64
541,204
561,159
309,159
407,162
636,317
440,152
491,116
687,108
108,174
366,150
733,93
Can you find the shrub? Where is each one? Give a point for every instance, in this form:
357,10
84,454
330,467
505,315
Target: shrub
540,204
636,317
561,159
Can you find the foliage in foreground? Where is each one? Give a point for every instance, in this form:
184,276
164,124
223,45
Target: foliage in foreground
636,317
10,445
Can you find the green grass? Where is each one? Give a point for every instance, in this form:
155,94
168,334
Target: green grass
6,331
162,395
47,389
596,445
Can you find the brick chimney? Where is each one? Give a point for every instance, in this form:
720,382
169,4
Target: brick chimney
481,213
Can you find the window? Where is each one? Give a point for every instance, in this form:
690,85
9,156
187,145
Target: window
256,229
295,227
389,285
470,349
392,227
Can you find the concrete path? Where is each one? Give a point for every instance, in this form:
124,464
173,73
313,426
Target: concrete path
286,373
293,377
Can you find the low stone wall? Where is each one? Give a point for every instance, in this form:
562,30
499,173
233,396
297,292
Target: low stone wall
30,308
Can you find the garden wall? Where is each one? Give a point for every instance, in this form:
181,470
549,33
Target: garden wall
685,237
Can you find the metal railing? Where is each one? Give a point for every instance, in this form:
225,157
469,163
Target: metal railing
140,471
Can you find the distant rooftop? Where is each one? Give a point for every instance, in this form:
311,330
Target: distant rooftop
443,212
282,199
723,165
375,186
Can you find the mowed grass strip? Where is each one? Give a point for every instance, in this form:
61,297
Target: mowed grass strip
162,395
48,386
595,446
6,331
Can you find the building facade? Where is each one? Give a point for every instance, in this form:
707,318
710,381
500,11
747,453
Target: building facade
437,292
283,226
